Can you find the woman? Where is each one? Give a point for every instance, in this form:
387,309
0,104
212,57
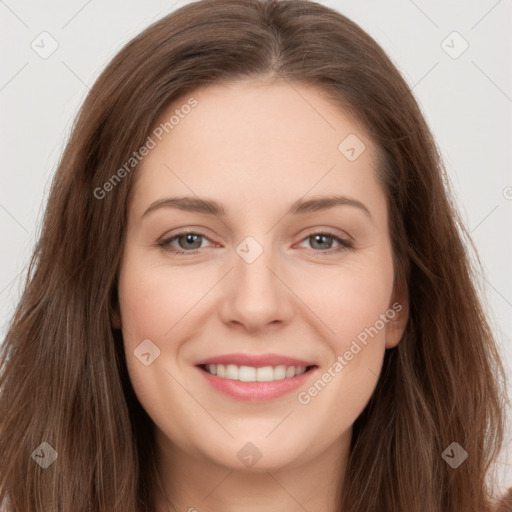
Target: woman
322,347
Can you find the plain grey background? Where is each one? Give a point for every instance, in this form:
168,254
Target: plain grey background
454,54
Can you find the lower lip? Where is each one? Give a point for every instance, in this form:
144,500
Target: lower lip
256,391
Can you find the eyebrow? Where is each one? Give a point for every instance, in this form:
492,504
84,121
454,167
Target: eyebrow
299,207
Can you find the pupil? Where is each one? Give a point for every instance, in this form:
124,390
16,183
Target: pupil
189,239
321,239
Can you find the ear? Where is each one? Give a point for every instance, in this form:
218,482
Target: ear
398,315
115,319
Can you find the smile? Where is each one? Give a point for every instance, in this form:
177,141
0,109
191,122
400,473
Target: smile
255,378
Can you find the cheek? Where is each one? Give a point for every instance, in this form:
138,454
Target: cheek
358,309
354,306
151,309
153,300
349,299
161,304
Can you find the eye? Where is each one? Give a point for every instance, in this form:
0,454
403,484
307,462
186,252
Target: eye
187,241
323,241
190,242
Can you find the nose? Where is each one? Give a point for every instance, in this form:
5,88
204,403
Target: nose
255,294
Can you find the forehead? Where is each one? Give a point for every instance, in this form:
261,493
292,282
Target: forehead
252,139
273,118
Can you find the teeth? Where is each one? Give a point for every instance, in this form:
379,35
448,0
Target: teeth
267,374
252,374
231,372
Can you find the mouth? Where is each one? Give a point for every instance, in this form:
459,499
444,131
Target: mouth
255,378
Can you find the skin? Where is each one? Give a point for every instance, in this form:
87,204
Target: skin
256,147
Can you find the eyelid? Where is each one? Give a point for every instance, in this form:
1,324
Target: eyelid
165,240
324,230
344,241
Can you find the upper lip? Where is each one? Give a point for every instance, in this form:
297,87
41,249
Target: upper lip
255,360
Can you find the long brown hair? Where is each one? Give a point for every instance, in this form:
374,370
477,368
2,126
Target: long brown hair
63,377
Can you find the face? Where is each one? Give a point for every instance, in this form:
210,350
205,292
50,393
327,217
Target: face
286,297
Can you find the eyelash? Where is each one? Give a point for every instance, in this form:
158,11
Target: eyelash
165,244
